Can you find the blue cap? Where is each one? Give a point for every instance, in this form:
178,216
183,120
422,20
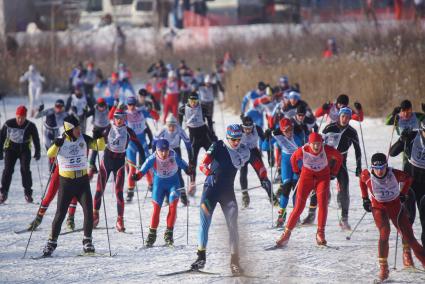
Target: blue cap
162,144
294,95
131,100
234,131
346,111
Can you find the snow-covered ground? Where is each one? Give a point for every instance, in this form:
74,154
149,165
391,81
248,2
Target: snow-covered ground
300,262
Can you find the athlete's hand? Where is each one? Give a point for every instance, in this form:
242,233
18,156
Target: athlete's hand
59,141
358,171
405,135
403,197
396,111
277,132
367,205
268,133
190,170
135,176
326,106
37,156
358,106
40,108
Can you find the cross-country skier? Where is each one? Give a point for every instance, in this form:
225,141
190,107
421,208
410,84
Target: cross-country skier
77,105
172,94
117,137
124,76
253,137
165,164
220,164
404,118
319,164
206,96
71,152
247,106
387,204
201,135
413,145
89,80
53,122
173,133
16,137
331,110
288,142
341,136
112,90
35,85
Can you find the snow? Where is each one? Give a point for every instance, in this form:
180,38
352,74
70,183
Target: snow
300,262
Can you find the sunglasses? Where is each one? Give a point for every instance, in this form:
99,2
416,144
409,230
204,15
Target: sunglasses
379,167
234,139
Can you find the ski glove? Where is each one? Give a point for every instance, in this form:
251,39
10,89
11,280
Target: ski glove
97,133
190,170
367,205
277,132
326,106
396,111
268,133
59,141
40,108
403,197
358,171
358,106
404,136
37,156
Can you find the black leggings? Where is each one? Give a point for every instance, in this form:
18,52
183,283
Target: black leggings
10,159
68,189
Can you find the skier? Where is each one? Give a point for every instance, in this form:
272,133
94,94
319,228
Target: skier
76,76
53,122
113,90
221,164
383,183
172,94
165,164
404,118
15,142
173,133
149,101
71,152
288,142
124,76
252,137
155,87
413,144
35,84
78,106
320,163
201,135
117,137
206,96
89,81
341,136
100,113
248,101
331,110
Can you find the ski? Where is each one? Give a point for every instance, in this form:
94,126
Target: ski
40,257
18,232
273,247
81,229
327,247
379,281
190,270
95,254
413,270
243,275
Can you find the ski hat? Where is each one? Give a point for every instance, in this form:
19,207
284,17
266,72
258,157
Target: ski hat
315,137
131,100
284,80
379,161
234,131
143,92
343,99
346,111
114,75
247,122
119,113
294,95
207,79
70,122
171,74
406,104
284,123
301,109
171,120
59,102
261,86
162,144
21,110
194,96
100,102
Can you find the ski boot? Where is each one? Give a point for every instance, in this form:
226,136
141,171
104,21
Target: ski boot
407,256
310,217
28,197
343,223
35,223
151,237
3,197
92,171
183,198
70,224
245,199
130,194
281,218
95,218
200,261
383,269
120,224
320,237
284,238
192,188
50,247
168,237
88,246
235,266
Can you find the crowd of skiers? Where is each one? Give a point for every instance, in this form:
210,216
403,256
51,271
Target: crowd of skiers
275,123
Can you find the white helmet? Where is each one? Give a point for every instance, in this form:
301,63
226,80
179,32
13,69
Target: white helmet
171,120
171,74
207,79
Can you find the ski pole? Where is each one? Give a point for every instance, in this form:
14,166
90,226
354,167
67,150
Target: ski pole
391,141
355,227
52,167
140,214
103,200
39,174
364,148
271,183
396,239
4,108
187,215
